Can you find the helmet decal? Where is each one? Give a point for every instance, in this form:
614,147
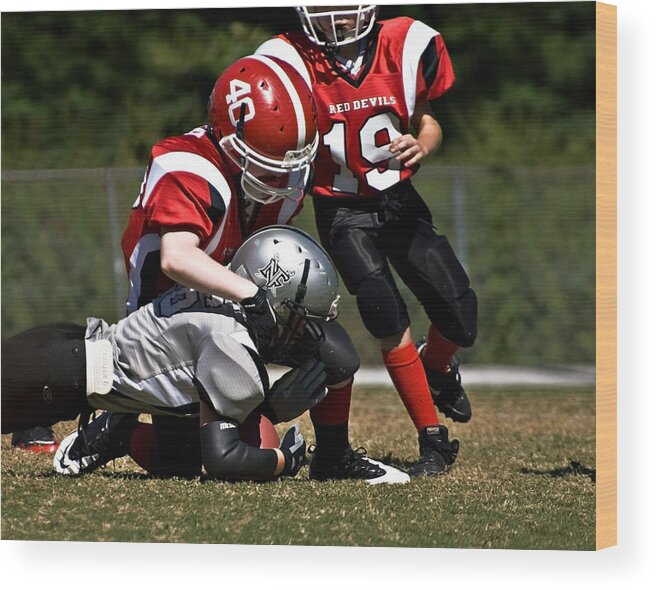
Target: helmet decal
274,275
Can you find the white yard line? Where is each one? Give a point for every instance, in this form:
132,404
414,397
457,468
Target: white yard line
505,375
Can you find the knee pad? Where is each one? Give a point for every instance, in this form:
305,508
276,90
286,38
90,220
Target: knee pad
459,323
433,259
442,287
381,306
339,354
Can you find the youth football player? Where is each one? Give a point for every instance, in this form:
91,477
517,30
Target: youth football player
187,354
373,82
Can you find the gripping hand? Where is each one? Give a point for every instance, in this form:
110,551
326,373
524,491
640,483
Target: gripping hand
261,319
295,392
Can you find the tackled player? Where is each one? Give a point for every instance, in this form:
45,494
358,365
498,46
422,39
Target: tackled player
188,354
203,194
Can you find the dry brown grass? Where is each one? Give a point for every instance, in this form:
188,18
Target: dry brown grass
524,479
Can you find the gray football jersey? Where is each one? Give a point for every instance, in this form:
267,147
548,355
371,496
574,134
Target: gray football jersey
182,346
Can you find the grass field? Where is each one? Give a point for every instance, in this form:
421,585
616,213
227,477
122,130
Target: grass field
525,478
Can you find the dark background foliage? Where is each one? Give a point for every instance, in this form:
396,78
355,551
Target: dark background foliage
513,185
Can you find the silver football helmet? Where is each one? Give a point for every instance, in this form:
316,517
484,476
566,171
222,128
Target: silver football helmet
320,23
299,279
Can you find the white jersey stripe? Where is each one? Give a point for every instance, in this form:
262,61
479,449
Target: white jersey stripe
416,40
283,50
147,244
293,95
186,162
194,164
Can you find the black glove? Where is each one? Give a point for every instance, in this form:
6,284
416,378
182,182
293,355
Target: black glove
304,348
293,449
261,319
295,392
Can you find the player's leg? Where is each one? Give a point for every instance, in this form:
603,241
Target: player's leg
333,457
357,254
427,264
43,377
174,447
167,447
351,240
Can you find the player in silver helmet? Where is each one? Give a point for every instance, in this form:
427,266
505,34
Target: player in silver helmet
189,353
209,364
300,282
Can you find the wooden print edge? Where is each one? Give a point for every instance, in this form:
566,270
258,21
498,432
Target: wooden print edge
606,275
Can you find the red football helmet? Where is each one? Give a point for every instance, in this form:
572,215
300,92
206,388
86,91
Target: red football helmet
263,115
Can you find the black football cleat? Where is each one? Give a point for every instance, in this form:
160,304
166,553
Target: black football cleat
446,389
354,465
39,439
93,445
436,452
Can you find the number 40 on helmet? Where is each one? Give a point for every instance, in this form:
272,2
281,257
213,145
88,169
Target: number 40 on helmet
263,116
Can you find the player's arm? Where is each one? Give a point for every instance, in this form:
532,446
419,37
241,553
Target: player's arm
225,456
410,150
184,262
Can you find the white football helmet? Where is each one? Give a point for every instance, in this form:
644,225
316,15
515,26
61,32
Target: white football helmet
299,279
321,23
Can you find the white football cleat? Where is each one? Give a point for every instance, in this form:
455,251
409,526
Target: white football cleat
354,465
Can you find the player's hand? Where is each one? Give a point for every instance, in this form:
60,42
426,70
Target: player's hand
408,150
293,449
295,392
261,319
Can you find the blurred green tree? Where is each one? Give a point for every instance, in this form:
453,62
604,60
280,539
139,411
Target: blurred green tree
99,88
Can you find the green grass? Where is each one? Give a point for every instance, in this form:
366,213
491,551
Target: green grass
524,479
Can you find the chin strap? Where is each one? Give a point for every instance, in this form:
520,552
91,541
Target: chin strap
302,287
239,129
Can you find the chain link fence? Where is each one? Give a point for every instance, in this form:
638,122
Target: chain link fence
525,235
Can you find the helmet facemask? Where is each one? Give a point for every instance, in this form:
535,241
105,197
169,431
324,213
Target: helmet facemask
264,179
263,119
319,23
300,330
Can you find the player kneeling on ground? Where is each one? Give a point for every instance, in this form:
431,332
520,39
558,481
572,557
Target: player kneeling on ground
188,353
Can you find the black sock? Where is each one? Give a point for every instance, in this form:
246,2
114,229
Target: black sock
332,440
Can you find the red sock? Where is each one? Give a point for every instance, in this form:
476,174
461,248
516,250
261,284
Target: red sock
335,407
141,446
409,378
438,352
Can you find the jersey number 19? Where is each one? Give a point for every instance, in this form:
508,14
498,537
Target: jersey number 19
373,150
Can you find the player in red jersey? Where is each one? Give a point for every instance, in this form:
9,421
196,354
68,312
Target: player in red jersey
373,82
203,194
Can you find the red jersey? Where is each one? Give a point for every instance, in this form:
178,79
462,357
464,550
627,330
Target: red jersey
188,186
406,64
